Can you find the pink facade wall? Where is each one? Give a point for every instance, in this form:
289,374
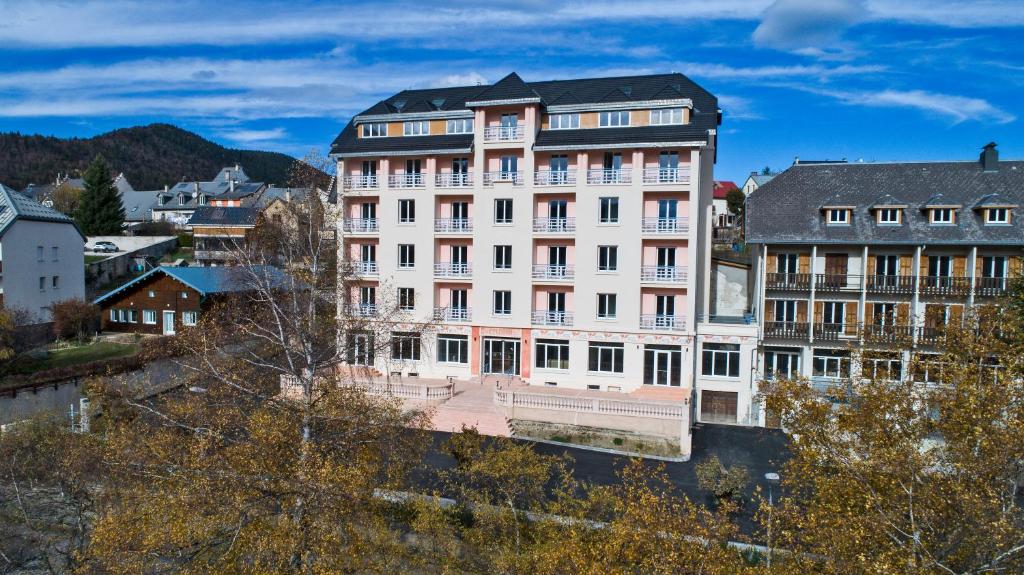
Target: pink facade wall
651,203
540,298
444,206
543,160
649,302
355,209
540,207
540,252
355,247
443,293
650,251
492,116
494,160
443,250
444,163
651,157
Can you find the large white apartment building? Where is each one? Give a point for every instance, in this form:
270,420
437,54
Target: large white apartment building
557,231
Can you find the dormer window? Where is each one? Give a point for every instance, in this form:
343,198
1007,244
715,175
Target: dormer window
564,121
941,216
889,216
618,118
417,128
460,126
837,216
666,116
202,200
375,130
997,216
181,199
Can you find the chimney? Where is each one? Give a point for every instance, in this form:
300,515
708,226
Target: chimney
288,194
231,186
989,158
238,168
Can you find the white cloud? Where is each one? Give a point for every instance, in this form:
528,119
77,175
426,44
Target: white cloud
807,24
952,107
738,108
254,136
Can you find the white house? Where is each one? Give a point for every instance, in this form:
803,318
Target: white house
41,256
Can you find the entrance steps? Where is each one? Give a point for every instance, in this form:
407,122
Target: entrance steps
472,405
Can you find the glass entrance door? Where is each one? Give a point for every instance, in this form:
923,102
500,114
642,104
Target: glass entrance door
501,356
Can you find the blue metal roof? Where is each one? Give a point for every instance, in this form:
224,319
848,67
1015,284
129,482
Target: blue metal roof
206,281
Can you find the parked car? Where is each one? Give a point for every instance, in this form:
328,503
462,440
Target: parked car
105,247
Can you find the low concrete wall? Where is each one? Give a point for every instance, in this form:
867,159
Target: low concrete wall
105,271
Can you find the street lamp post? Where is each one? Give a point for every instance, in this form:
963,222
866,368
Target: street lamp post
773,479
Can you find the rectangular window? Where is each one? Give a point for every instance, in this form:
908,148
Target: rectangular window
374,130
406,211
151,293
606,306
782,363
613,119
605,357
122,315
833,313
607,258
460,126
452,348
149,316
942,216
503,211
39,253
552,354
720,359
133,316
997,216
55,282
890,216
502,257
416,128
406,299
42,283
609,211
406,256
189,318
833,363
184,295
838,217
405,345
113,315
502,302
55,252
564,121
666,116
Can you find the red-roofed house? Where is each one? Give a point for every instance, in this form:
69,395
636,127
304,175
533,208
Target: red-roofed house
723,221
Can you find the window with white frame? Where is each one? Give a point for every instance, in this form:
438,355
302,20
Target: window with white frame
552,354
189,318
406,256
838,216
665,116
460,126
605,357
503,211
184,295
606,306
609,213
151,293
781,363
564,121
833,314
374,130
55,253
132,316
502,257
832,363
997,216
113,315
607,258
942,215
406,211
452,348
149,316
883,366
720,359
889,216
613,119
405,346
416,128
406,299
502,302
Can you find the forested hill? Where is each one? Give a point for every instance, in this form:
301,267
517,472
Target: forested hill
149,156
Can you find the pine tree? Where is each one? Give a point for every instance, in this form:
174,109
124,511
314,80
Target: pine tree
100,211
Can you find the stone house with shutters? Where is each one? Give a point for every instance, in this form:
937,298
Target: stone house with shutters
884,255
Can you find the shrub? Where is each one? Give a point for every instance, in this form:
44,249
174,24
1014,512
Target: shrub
184,240
74,319
724,482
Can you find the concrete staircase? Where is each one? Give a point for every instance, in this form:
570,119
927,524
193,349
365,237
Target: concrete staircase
473,406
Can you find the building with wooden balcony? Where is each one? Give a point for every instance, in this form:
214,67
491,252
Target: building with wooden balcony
878,256
570,216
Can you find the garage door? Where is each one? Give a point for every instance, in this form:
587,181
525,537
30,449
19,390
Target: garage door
718,406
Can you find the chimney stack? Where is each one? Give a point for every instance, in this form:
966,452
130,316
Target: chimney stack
231,185
989,158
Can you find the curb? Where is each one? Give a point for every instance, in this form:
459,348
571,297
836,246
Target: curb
670,459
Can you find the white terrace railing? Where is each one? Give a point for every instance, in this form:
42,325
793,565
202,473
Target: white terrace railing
509,398
504,133
290,387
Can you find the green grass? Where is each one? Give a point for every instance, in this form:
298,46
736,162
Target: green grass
84,354
181,253
92,259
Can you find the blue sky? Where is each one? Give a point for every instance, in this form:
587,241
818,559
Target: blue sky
862,79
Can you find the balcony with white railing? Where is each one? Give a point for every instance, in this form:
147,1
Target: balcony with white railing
453,270
663,274
543,317
554,225
453,225
659,322
606,176
452,314
360,225
514,178
665,225
678,175
554,178
360,182
553,272
361,268
449,180
361,310
407,180
504,133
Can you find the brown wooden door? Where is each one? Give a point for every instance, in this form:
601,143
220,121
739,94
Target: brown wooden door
836,268
718,406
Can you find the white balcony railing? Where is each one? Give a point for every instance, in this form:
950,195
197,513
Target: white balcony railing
554,178
606,176
406,180
554,225
678,175
453,270
452,314
504,133
453,225
360,225
553,272
362,268
552,318
516,178
360,182
665,225
575,403
460,180
661,322
669,274
362,309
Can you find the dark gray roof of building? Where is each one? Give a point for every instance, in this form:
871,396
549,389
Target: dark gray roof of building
16,206
216,216
612,90
788,208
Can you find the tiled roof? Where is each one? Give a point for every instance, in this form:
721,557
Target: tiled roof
219,188
137,205
762,179
723,187
348,143
17,206
215,216
788,208
210,280
509,88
